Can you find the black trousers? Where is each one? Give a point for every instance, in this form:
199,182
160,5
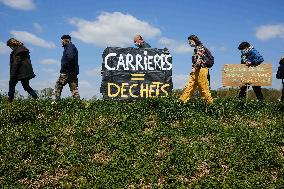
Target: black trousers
26,86
256,89
282,97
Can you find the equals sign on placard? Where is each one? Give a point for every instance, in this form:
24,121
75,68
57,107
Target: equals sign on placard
137,77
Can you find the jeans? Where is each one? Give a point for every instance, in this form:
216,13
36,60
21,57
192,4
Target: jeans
282,97
256,89
26,86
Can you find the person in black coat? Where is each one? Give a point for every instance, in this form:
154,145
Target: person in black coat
20,68
69,69
280,75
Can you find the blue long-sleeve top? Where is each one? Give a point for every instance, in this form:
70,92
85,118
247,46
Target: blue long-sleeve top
251,56
69,60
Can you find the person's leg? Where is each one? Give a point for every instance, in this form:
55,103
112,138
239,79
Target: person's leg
73,84
60,83
243,91
190,88
26,86
257,91
11,93
203,85
282,97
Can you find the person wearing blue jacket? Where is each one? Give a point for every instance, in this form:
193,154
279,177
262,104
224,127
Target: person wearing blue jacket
250,57
69,68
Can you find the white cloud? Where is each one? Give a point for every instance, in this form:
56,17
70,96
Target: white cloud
182,47
49,61
86,90
4,84
84,84
94,72
221,49
50,71
4,49
180,81
215,84
176,46
38,27
39,84
112,29
267,32
32,39
19,4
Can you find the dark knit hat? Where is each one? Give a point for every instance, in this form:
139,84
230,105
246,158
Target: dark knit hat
66,37
243,45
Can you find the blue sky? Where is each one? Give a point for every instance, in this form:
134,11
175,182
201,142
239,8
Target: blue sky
94,25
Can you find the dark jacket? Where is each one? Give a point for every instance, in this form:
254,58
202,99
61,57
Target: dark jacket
20,64
280,70
69,60
252,56
144,45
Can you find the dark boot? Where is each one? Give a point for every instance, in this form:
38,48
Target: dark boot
282,97
26,86
258,93
243,91
11,93
32,93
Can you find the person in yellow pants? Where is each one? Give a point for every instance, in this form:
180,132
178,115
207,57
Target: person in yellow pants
199,73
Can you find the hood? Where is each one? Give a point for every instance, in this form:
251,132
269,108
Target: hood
19,50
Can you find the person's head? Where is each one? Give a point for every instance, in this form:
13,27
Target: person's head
243,46
65,39
138,40
12,43
193,41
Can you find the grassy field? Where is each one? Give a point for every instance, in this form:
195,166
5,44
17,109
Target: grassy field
154,143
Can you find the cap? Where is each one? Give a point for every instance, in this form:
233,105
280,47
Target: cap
243,45
66,37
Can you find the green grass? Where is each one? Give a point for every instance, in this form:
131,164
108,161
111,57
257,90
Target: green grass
154,143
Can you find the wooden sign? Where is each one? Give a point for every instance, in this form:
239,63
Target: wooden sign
240,75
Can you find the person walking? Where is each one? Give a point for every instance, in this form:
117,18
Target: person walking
199,72
140,43
280,75
250,57
20,68
69,69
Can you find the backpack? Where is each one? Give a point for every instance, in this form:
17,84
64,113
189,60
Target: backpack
209,59
280,71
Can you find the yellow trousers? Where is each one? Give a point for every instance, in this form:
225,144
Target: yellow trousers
198,79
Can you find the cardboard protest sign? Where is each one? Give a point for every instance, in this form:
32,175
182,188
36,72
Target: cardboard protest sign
130,73
240,75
